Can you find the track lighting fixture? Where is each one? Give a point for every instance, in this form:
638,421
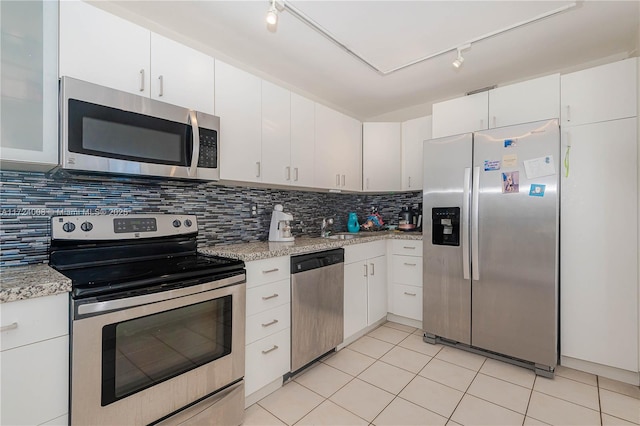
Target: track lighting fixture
457,63
272,14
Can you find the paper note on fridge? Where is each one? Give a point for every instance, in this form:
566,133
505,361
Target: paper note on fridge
539,167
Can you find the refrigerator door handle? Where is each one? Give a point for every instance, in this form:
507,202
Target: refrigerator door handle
475,258
466,197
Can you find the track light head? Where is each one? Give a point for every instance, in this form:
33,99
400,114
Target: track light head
272,14
457,63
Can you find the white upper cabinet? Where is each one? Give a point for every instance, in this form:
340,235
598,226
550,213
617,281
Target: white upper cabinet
414,133
461,115
238,104
607,92
181,75
29,81
276,134
338,150
303,139
381,156
104,49
532,100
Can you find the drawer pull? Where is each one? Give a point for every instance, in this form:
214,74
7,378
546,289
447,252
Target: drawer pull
270,297
409,264
409,247
11,326
270,350
268,271
275,321
409,294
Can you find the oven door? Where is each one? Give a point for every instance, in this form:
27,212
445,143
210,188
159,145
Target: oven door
105,130
155,354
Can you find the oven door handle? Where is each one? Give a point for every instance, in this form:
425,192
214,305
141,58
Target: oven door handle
195,154
95,308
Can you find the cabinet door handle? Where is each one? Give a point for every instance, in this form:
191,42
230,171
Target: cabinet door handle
142,80
568,113
338,180
275,321
11,326
367,183
274,295
295,173
373,269
270,350
494,121
257,169
409,294
161,78
409,264
408,247
288,174
409,181
268,271
366,270
344,180
481,123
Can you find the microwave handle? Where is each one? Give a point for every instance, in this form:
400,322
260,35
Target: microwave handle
195,155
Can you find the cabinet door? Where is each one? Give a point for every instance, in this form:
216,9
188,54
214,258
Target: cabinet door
414,133
350,154
461,115
407,301
181,75
381,156
303,139
598,258
102,48
35,382
376,289
327,148
29,81
267,360
355,298
602,93
238,104
532,100
276,134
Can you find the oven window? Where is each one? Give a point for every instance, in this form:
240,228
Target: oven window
142,352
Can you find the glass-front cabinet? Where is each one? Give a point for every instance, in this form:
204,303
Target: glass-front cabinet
29,85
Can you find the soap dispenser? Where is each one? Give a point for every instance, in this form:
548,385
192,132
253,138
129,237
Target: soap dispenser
352,224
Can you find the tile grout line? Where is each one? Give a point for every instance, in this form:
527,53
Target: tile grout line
465,391
599,401
526,411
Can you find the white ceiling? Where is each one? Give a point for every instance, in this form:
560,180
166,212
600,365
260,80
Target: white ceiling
392,33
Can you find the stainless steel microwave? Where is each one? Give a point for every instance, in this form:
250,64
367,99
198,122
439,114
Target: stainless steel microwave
108,131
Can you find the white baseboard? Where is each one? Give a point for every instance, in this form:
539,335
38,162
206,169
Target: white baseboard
404,320
631,377
360,333
249,400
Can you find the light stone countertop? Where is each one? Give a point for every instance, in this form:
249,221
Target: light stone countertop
265,250
27,282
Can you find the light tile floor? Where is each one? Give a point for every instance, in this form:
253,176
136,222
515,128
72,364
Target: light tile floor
391,377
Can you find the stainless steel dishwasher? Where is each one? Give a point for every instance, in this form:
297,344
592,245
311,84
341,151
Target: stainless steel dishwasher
317,305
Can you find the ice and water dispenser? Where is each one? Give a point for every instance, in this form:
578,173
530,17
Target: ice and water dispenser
445,226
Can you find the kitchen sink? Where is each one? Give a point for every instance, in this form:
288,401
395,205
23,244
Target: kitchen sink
341,237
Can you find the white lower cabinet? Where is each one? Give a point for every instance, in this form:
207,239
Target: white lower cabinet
268,327
406,279
365,286
34,384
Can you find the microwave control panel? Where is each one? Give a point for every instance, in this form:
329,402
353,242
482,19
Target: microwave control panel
208,149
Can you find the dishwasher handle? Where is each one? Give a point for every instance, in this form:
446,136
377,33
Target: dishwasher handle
307,262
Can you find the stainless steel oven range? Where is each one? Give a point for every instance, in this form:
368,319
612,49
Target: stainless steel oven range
157,330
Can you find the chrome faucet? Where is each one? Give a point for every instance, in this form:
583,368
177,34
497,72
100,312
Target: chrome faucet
323,227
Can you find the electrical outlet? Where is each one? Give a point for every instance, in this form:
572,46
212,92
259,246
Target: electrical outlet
254,210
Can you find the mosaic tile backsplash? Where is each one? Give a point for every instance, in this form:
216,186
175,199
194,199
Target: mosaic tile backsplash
28,200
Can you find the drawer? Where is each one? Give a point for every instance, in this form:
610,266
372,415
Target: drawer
407,270
267,270
266,360
35,320
406,247
359,252
268,322
268,296
407,301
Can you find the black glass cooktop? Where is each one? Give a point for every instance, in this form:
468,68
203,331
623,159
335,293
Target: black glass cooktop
123,276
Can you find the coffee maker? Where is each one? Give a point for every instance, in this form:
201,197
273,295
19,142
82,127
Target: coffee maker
280,229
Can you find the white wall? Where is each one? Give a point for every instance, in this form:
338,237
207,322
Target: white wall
637,53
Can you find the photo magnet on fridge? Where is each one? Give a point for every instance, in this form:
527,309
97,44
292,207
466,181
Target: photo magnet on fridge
510,182
490,165
536,190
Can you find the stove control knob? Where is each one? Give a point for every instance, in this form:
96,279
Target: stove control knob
177,223
68,227
188,223
86,226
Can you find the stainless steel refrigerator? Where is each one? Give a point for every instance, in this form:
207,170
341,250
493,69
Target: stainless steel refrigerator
490,228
